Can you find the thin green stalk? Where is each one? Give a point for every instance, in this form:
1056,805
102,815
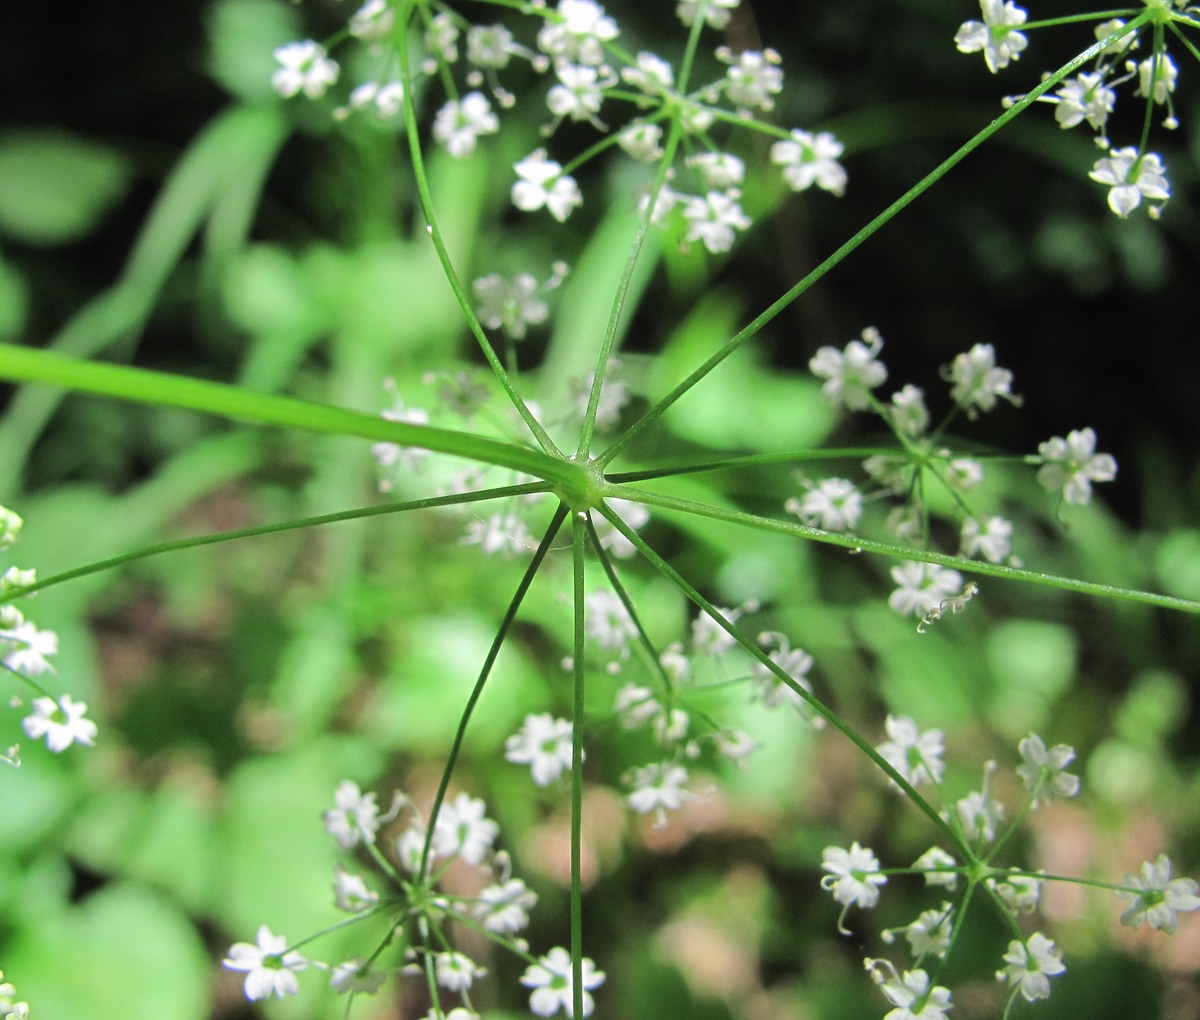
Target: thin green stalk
905,200
456,499
578,547
426,198
26,364
817,705
485,671
856,544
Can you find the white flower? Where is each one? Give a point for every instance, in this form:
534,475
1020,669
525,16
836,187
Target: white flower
996,35
303,67
354,817
391,456
456,971
659,788
939,867
544,744
579,92
542,183
23,648
978,814
1131,178
459,124
10,1009
714,218
977,380
752,78
635,705
1164,72
10,530
512,305
350,892
1031,964
1044,771
504,908
834,504
719,169
614,395
716,12
553,984
578,33
1156,897
463,829
354,977
1085,97
795,662
905,992
909,413
441,37
1020,893
929,934
991,538
642,141
915,755
809,159
492,46
923,587
853,877
270,968
1072,464
503,533
373,20
61,722
963,473
652,75
851,374
709,637
607,621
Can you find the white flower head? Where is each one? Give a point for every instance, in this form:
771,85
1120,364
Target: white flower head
456,972
1044,771
939,867
503,533
809,159
541,182
850,374
1071,465
908,411
1159,70
796,663
996,35
391,458
544,744
463,829
303,67
578,33
977,380
24,648
356,977
991,538
459,123
10,527
719,169
373,20
512,305
1131,177
1031,964
1156,897
552,981
922,587
833,504
642,141
907,991
915,755
658,788
1020,893
716,12
715,218
752,78
634,515
853,877
1084,97
651,74
269,966
351,893
354,817
61,722
504,908
979,815
608,623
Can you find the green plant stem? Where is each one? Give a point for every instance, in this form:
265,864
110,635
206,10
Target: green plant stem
457,499
905,200
25,364
856,544
578,547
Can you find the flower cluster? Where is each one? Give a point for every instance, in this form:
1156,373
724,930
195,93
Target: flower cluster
10,1008
412,861
1130,173
850,377
25,652
855,878
576,46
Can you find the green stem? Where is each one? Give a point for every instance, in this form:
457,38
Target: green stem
25,364
578,547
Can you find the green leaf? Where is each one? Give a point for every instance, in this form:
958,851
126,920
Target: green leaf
55,187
